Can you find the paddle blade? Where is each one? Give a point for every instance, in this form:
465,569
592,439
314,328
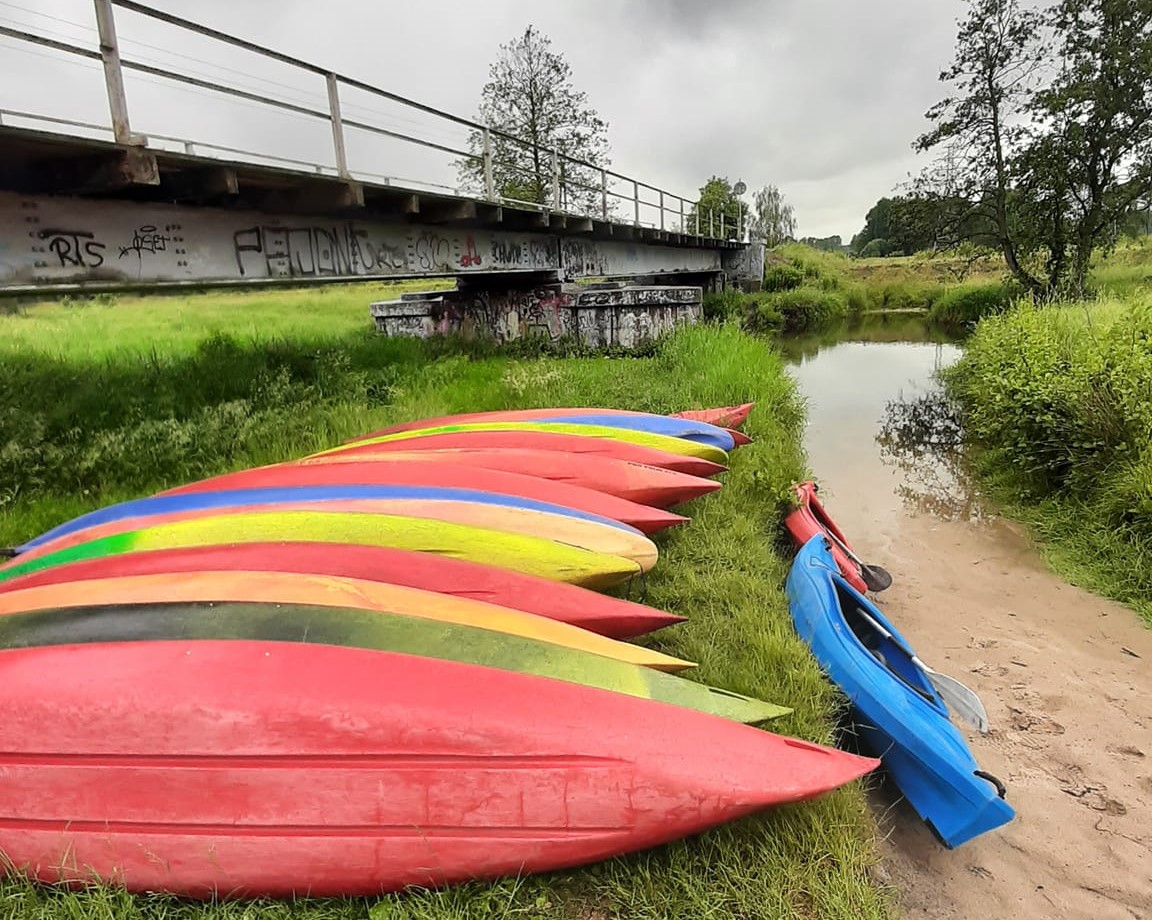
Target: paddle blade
876,577
958,698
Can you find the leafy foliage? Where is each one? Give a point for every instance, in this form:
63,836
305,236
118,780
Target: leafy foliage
1048,136
774,221
966,304
531,103
1059,402
720,212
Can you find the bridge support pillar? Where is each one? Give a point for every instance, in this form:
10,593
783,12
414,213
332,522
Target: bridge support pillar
599,316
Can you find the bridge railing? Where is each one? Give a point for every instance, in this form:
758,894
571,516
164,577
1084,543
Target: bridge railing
480,155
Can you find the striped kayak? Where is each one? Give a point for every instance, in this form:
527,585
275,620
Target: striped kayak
325,591
642,438
599,613
899,714
688,429
202,767
726,417
634,482
536,440
425,473
601,536
461,506
368,629
530,555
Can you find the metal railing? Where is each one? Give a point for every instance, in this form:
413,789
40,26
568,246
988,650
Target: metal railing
567,186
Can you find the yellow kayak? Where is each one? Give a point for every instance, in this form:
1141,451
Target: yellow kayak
530,555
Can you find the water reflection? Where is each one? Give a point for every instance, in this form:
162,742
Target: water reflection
924,439
880,431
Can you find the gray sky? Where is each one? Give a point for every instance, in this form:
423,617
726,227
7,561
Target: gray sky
820,97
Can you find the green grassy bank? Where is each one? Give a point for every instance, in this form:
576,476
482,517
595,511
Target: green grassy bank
1058,403
96,410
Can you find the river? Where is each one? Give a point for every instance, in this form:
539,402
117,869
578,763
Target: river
1064,674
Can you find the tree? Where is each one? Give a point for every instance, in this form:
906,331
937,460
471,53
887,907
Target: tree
533,108
774,221
996,60
1049,135
719,209
832,243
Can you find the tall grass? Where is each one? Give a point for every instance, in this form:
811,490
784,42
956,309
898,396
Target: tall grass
92,426
1058,401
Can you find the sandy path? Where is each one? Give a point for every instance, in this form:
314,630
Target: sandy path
1071,715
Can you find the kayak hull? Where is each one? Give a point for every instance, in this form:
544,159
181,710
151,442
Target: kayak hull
208,770
357,628
536,440
726,417
634,482
590,610
255,587
418,473
528,555
811,519
900,715
672,445
592,535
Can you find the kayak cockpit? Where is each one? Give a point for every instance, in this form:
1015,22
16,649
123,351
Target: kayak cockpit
881,648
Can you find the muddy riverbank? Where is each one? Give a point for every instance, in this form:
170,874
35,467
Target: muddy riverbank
1064,674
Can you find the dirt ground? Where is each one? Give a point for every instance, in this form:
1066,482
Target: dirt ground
1067,681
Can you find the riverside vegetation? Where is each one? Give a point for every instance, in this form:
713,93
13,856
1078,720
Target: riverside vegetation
107,402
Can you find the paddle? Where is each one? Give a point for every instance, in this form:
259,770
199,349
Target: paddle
961,700
875,577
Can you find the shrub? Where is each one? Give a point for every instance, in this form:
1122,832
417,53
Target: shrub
723,305
808,307
876,249
966,304
783,277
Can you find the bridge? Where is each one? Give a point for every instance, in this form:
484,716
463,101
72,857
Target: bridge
108,203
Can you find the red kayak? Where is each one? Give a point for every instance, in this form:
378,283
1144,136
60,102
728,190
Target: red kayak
246,768
599,613
647,485
725,417
810,519
544,440
440,475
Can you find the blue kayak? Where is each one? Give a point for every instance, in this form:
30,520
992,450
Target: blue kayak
197,501
900,716
686,429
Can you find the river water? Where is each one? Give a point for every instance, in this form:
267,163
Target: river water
1062,673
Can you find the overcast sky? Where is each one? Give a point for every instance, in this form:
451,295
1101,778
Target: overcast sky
820,97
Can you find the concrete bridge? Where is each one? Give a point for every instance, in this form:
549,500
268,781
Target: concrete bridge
95,205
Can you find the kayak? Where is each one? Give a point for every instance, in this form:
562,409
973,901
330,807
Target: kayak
811,519
461,506
326,591
642,438
530,555
689,429
425,473
600,536
634,482
599,613
536,440
211,767
727,417
357,628
899,714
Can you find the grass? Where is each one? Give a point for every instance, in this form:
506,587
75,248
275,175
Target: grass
86,423
1058,403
